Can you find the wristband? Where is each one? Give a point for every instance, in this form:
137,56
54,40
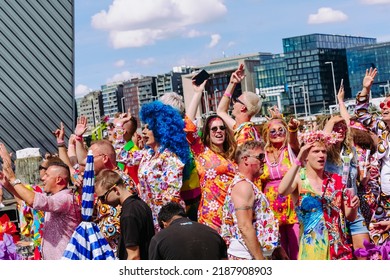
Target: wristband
228,95
59,145
79,138
59,142
341,102
297,162
292,130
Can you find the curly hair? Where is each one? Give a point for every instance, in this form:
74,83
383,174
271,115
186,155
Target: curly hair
229,145
168,128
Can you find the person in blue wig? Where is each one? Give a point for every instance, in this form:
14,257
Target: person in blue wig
162,161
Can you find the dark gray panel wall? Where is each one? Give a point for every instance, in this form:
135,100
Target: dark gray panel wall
36,72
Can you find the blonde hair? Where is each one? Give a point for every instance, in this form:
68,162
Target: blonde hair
175,100
252,102
265,132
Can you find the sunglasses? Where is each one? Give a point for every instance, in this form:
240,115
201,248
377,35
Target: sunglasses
42,168
236,100
259,157
382,104
103,197
215,128
275,133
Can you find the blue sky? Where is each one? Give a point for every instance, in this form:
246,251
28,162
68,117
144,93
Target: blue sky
120,39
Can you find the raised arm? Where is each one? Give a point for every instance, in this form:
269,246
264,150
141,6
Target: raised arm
80,129
223,106
289,183
8,177
195,101
243,199
59,133
343,109
293,125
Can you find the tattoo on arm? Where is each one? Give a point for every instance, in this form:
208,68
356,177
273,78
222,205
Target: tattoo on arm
243,208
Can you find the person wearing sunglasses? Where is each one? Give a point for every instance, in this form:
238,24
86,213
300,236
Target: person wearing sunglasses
214,153
281,148
248,224
136,220
245,106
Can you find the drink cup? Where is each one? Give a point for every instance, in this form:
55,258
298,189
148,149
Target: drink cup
350,193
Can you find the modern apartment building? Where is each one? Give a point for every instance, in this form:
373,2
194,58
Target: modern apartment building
361,58
36,72
171,81
313,66
91,106
112,95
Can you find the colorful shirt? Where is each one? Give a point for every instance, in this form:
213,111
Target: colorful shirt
108,217
215,175
160,177
323,233
62,216
245,132
263,220
282,206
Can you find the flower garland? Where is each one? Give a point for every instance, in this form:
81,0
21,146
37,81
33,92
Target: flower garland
320,136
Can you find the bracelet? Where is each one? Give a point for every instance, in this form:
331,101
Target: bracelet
297,162
79,138
60,142
59,145
228,95
341,102
292,130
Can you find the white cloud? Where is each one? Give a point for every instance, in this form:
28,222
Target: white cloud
81,90
119,63
214,40
231,44
124,76
140,23
375,2
327,15
146,62
193,33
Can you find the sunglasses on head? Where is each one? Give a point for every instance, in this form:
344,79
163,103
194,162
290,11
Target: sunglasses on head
215,128
275,133
382,104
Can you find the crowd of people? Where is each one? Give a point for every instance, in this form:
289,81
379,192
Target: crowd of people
220,188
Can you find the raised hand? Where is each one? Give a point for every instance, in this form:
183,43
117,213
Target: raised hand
238,75
7,163
293,124
81,126
368,79
340,94
59,133
200,88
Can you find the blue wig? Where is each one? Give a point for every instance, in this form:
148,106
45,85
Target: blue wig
168,128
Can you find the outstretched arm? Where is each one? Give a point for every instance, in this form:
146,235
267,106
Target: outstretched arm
343,109
195,101
223,106
80,129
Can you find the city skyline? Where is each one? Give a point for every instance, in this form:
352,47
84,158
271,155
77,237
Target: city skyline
119,39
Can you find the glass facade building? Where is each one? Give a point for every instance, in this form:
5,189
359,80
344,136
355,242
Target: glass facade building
313,66
361,58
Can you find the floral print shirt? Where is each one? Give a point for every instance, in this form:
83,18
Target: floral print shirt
160,176
263,221
215,175
245,132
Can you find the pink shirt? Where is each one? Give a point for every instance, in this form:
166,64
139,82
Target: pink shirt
62,216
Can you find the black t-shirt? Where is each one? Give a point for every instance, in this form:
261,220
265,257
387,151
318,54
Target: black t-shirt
187,240
137,229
